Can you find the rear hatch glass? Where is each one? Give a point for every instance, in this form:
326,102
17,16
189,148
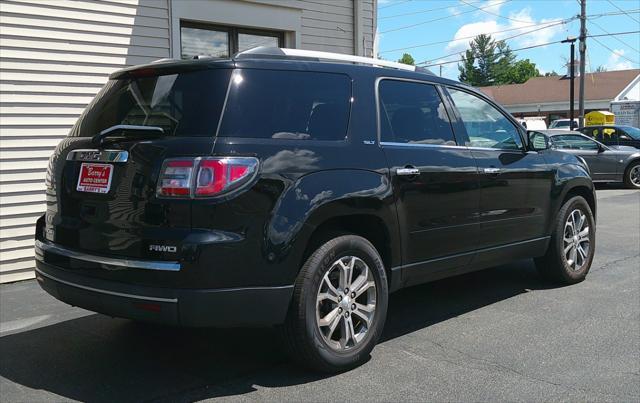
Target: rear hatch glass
103,197
183,105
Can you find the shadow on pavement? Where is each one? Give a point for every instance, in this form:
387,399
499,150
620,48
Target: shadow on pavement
610,186
96,358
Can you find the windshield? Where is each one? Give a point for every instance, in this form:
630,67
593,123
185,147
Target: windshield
183,104
634,132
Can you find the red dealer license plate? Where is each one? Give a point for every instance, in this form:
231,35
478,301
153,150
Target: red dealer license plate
95,178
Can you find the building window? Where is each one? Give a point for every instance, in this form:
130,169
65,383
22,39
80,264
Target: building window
223,41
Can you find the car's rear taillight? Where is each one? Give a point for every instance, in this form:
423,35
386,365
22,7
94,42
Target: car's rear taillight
204,176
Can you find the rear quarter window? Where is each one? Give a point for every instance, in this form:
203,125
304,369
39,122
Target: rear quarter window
293,105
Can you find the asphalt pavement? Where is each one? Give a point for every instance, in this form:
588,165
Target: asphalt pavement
500,334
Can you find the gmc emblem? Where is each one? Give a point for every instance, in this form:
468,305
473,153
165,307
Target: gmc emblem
89,155
163,248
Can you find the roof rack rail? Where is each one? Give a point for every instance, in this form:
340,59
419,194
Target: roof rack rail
287,53
165,60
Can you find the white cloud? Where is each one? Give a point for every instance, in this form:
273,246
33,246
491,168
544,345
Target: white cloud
615,63
520,22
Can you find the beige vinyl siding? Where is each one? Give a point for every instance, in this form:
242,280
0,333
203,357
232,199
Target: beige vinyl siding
327,25
54,57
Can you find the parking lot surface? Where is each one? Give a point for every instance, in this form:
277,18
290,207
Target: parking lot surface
498,334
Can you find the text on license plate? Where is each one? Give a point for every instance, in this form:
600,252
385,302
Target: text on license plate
95,178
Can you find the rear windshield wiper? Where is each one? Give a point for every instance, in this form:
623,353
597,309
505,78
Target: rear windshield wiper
151,130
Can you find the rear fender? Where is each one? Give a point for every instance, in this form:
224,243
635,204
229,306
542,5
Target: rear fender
315,198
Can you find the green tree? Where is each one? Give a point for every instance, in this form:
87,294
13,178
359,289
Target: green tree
520,71
489,62
407,59
551,73
479,61
600,69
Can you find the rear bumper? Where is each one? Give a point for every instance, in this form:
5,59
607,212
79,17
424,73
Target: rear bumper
233,307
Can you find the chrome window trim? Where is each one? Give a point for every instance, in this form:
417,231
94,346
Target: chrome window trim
98,155
396,144
129,263
102,291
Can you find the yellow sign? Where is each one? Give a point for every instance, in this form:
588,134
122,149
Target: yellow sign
599,118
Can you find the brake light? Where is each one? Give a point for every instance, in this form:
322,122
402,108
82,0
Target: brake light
204,176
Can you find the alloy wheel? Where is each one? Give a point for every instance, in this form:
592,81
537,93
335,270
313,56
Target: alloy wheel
346,303
576,240
634,175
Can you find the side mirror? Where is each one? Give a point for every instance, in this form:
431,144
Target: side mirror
538,141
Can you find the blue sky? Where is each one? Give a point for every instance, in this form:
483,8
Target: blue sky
408,23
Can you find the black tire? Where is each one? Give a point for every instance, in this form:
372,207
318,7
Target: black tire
301,332
628,182
555,265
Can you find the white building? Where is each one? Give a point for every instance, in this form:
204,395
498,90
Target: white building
56,54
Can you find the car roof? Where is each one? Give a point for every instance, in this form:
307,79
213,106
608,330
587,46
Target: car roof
556,132
171,66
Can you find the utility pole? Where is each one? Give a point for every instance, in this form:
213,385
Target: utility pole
440,70
583,51
572,41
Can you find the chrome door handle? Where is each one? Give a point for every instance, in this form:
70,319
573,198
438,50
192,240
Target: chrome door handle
491,170
408,171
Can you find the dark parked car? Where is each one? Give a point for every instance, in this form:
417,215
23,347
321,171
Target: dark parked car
277,188
614,135
606,164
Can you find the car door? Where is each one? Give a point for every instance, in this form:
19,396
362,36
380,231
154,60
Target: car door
434,178
603,162
515,183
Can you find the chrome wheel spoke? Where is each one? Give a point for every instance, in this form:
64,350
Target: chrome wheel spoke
583,235
330,318
360,281
567,248
573,253
348,333
346,273
366,286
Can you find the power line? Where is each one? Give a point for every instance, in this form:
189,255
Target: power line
436,19
615,37
546,25
393,4
427,64
419,12
496,54
623,11
615,52
491,13
505,39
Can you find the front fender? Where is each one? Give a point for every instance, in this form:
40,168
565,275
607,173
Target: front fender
569,175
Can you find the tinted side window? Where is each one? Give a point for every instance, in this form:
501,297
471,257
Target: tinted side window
570,142
413,113
287,105
486,126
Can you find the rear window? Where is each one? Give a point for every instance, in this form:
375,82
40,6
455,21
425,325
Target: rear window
287,105
184,104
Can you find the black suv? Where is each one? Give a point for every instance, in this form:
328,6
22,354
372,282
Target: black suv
277,190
